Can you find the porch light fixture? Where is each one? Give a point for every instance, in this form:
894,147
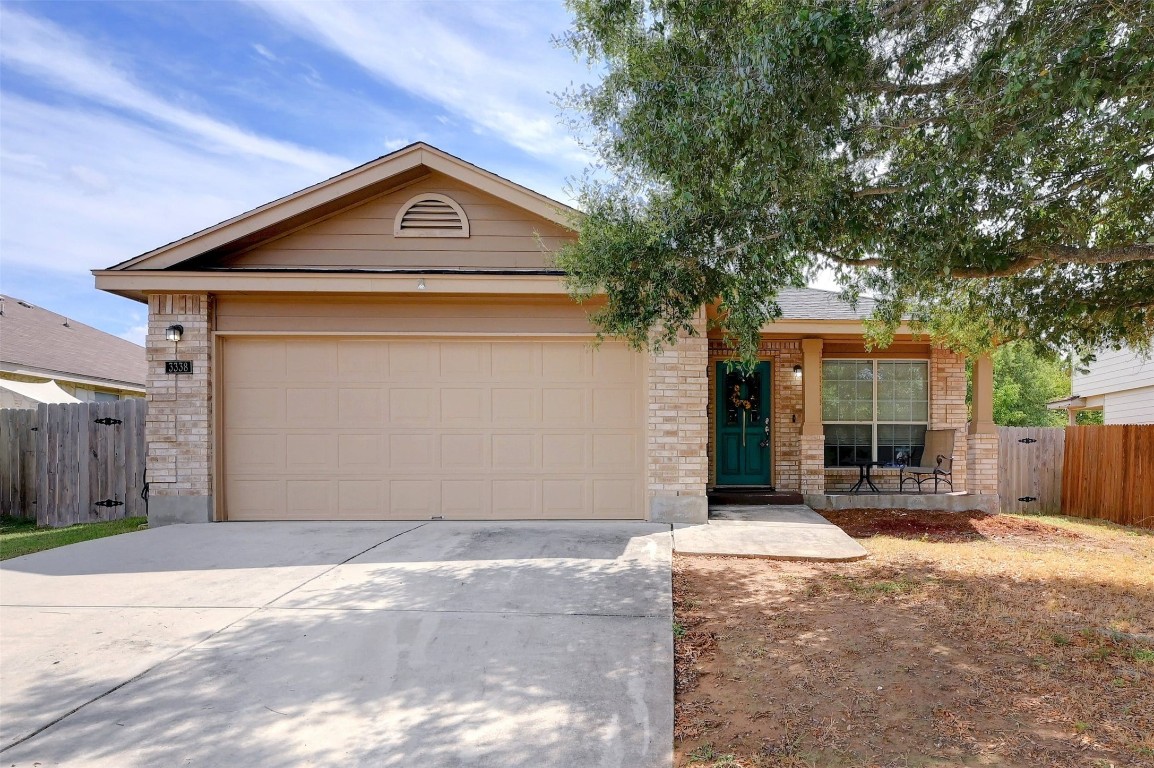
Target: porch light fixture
797,371
421,284
173,333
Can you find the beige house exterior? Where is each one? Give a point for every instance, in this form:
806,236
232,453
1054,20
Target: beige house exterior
394,343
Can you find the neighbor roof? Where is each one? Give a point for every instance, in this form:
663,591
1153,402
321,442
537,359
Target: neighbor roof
41,342
816,304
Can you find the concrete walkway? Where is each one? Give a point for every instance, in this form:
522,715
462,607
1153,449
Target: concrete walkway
352,644
793,532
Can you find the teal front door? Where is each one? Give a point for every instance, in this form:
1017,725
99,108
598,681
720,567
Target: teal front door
743,438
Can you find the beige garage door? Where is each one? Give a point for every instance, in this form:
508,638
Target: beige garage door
372,428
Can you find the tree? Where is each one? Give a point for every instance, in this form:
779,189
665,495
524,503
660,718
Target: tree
1024,382
981,167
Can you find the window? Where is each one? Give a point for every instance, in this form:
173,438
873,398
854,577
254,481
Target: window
105,397
874,410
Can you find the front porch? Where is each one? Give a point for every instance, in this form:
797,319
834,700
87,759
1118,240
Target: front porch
798,461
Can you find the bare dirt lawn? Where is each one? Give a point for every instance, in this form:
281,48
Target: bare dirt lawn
963,640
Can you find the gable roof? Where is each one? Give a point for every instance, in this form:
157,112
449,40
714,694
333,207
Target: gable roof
38,341
377,177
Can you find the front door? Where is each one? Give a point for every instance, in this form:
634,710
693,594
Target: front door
743,414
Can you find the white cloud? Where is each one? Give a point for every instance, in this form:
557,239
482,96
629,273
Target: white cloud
494,67
136,334
83,189
52,55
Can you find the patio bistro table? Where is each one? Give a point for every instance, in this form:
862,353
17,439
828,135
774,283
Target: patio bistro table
863,470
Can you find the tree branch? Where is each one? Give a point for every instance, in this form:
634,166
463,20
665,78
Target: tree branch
1031,256
875,191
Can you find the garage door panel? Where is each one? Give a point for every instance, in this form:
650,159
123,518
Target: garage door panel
412,406
515,451
360,407
516,359
415,498
468,361
415,429
463,452
512,405
312,406
312,360
311,451
255,407
362,360
413,452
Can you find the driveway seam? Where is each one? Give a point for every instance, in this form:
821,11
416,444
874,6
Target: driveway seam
204,640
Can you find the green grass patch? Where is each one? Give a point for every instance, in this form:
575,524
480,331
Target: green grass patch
22,537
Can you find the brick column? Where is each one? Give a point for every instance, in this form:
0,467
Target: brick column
678,465
812,430
179,425
982,444
948,405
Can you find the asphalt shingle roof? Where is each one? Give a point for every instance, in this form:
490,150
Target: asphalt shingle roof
33,337
816,304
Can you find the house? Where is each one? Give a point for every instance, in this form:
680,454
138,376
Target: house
1120,383
49,358
394,343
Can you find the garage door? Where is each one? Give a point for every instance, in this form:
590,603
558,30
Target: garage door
373,428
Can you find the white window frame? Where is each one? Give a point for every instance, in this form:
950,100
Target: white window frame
873,361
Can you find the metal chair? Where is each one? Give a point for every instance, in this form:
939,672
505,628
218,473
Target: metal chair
940,451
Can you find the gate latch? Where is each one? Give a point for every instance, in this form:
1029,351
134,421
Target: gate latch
110,503
1027,440
108,421
1027,498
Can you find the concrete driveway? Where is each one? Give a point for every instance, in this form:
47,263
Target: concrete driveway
382,644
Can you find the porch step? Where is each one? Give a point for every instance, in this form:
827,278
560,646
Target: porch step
754,495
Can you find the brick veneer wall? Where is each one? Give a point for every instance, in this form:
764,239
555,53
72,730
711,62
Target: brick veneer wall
179,425
786,401
948,405
678,401
982,467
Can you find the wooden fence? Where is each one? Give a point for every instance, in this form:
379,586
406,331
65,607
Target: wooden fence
1109,473
1030,469
73,463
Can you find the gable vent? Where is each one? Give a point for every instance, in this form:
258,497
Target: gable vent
431,215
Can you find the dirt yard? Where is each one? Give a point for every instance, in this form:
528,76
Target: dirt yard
963,640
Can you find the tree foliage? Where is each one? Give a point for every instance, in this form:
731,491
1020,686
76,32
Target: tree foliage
982,167
1024,382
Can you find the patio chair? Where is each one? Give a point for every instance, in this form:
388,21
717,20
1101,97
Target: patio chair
937,461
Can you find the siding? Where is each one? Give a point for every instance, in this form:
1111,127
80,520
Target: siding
432,314
502,236
1114,371
1134,406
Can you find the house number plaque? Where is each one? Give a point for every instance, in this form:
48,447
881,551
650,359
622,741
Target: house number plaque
177,366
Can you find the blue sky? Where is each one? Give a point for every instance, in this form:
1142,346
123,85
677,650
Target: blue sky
124,126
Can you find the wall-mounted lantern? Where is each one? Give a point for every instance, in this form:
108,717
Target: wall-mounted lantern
797,372
173,333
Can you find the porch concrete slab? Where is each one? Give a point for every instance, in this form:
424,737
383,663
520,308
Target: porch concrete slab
603,568
206,566
793,532
942,502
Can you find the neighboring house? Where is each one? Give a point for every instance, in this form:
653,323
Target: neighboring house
1120,383
49,358
394,343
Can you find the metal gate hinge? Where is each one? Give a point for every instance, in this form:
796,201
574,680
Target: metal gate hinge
108,421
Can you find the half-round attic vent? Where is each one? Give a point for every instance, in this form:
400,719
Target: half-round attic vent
431,215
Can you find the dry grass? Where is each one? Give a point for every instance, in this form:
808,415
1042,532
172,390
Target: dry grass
975,641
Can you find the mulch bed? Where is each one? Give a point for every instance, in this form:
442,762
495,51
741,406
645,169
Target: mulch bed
941,526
